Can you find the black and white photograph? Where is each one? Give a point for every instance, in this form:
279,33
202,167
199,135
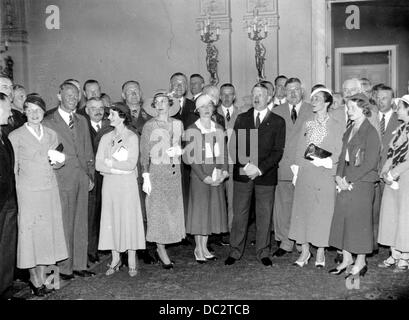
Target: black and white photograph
203,155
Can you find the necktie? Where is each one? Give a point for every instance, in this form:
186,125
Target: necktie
98,127
349,123
135,113
258,120
383,124
293,114
228,115
71,122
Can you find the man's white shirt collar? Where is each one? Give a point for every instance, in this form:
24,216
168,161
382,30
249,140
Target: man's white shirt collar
231,110
65,115
94,125
388,116
297,107
262,114
279,101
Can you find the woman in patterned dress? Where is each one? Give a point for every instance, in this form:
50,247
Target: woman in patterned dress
314,195
160,159
394,217
121,227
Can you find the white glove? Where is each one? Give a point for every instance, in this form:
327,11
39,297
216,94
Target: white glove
326,162
395,184
294,168
56,156
147,186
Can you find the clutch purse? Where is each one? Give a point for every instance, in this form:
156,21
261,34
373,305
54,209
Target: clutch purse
313,150
59,148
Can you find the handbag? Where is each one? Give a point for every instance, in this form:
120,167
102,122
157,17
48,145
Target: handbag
313,150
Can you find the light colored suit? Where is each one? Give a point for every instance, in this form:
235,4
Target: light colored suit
73,180
229,183
285,190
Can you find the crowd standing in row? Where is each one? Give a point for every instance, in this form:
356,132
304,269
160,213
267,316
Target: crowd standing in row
134,176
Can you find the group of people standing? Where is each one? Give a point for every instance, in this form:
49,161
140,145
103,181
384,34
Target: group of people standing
134,176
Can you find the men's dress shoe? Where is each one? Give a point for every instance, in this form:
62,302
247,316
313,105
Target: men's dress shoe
185,242
83,273
93,258
148,258
66,277
279,252
229,261
266,261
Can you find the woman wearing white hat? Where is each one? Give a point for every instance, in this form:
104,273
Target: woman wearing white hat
207,201
314,194
394,216
160,159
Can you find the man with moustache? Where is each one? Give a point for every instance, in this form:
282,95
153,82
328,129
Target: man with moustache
8,203
295,112
258,175
388,123
75,179
97,128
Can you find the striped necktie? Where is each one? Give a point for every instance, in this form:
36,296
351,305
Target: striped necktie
382,124
349,123
258,120
71,122
293,114
228,115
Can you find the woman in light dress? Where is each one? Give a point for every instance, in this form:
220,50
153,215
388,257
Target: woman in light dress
41,240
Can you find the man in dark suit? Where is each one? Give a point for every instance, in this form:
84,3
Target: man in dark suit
8,204
257,173
280,94
178,85
75,179
295,112
388,122
97,128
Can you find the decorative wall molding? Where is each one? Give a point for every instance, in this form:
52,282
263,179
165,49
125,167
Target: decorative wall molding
267,10
218,11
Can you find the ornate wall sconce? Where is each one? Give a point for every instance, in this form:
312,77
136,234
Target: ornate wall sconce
257,31
209,37
6,62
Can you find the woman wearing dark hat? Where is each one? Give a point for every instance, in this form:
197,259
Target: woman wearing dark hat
121,216
394,216
314,194
41,240
160,159
357,172
207,201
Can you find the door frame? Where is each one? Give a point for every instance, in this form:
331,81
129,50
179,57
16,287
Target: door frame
393,49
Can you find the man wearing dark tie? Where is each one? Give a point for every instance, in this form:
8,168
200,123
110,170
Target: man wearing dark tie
229,111
8,204
97,128
256,173
75,179
295,112
388,123
178,85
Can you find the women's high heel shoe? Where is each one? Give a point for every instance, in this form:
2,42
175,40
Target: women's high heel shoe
37,291
337,271
198,260
132,271
360,273
113,269
320,265
303,263
164,265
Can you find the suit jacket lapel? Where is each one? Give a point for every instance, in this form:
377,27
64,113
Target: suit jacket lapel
62,125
